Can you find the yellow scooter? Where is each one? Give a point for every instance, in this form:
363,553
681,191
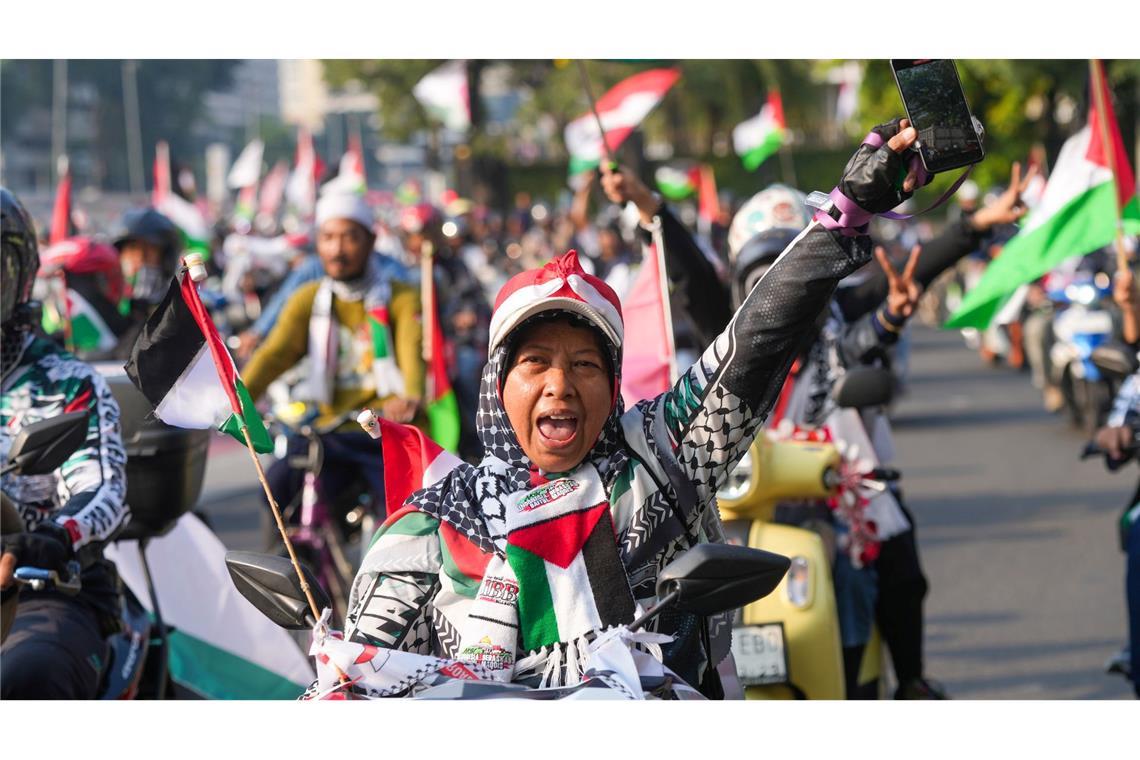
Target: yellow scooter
787,645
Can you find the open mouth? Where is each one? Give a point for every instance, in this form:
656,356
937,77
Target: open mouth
558,430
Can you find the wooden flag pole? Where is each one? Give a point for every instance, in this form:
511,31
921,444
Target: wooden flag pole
1098,86
280,524
196,271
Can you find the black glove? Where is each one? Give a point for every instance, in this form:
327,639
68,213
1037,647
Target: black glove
873,178
47,547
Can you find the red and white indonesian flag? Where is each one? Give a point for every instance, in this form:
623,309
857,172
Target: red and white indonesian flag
1078,214
621,111
181,365
443,94
411,461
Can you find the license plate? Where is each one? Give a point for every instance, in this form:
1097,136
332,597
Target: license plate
760,654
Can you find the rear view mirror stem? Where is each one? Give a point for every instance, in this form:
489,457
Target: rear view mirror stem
656,609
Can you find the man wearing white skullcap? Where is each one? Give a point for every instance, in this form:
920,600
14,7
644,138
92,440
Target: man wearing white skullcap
363,337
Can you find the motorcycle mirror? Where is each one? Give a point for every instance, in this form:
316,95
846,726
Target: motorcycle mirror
270,584
711,578
1115,359
44,446
862,387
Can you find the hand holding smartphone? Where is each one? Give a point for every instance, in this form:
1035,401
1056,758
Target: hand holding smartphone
936,106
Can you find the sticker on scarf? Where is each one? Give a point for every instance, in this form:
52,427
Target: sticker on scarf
548,493
761,654
489,655
499,590
456,670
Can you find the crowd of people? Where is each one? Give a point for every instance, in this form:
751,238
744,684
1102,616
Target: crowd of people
533,341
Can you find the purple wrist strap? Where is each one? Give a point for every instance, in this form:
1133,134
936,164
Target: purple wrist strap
853,220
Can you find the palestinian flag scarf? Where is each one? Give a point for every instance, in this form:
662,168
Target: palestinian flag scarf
324,335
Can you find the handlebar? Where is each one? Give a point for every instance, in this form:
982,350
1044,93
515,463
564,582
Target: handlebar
40,579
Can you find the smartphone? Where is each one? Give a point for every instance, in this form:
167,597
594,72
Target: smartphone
936,106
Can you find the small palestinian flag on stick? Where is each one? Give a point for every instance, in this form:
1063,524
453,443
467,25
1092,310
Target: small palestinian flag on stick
181,365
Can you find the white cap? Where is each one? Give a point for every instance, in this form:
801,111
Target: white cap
344,206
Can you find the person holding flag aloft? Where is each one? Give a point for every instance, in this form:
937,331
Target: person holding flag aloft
362,335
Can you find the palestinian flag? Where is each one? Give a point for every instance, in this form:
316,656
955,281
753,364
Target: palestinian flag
181,365
190,221
571,580
89,328
442,406
759,137
443,94
621,111
677,183
385,373
411,461
184,214
1077,215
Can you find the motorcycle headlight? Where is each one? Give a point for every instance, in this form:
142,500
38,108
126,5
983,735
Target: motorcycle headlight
799,582
739,480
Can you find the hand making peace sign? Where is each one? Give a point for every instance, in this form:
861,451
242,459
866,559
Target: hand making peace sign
903,292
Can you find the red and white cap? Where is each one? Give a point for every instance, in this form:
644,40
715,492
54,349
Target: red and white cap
561,285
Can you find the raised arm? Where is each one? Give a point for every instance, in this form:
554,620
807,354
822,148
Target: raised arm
708,419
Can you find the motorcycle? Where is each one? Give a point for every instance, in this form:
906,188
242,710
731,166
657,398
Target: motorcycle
137,664
1117,362
705,580
1080,325
788,644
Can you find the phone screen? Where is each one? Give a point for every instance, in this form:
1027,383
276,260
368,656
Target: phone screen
936,106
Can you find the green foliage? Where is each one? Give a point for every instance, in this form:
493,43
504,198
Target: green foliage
1018,101
392,82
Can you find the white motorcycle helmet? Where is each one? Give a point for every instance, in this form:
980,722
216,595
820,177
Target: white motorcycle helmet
760,231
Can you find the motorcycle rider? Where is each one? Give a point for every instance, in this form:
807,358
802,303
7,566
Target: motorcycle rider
92,276
56,646
362,335
148,246
473,566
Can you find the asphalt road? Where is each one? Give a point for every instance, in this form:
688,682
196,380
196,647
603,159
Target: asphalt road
1017,536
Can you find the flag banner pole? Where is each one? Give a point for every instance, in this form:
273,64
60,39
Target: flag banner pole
594,109
427,297
280,524
1099,87
663,282
197,272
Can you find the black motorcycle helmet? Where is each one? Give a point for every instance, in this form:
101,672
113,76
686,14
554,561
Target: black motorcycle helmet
151,227
19,262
